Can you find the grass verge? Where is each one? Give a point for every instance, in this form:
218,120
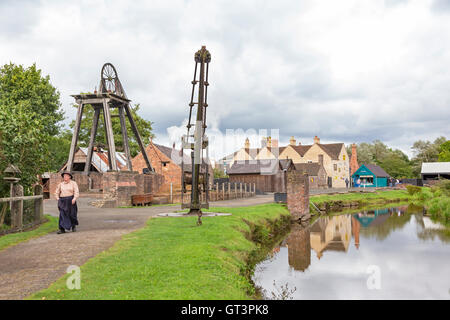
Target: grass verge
357,199
172,258
12,239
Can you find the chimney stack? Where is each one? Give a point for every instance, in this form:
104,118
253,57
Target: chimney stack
354,161
316,140
292,141
247,144
263,142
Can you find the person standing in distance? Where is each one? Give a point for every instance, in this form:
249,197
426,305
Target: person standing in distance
67,194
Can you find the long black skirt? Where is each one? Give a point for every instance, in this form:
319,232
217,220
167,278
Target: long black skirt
67,213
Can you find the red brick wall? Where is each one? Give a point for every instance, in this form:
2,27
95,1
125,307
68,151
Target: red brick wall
171,172
297,194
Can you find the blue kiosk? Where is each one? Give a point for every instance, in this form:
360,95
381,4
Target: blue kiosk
370,175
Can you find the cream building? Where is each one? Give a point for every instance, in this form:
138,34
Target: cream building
335,158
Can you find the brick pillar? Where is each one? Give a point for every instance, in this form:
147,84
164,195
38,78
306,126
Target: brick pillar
299,248
298,195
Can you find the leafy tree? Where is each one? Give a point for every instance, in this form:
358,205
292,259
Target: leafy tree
144,128
444,154
426,151
27,85
394,162
29,116
23,143
58,150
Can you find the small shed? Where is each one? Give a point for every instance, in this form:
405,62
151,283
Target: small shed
267,175
370,175
435,170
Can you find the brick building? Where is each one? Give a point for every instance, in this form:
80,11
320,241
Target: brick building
167,162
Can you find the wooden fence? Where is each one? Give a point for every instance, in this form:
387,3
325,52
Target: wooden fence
217,192
15,204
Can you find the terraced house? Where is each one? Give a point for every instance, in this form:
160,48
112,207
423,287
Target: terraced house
333,157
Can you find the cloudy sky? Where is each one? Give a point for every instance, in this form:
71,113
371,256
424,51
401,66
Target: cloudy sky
346,71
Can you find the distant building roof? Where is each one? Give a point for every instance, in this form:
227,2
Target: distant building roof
312,169
435,167
377,171
255,167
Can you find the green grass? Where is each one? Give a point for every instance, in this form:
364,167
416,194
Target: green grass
365,198
173,258
15,238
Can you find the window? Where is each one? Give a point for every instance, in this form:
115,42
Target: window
335,167
344,157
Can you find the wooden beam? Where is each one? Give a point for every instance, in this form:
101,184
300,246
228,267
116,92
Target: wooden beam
110,137
76,132
138,137
87,166
125,138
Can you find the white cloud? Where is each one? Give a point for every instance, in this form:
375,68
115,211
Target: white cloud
349,71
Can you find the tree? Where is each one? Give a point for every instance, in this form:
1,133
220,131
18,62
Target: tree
394,162
29,116
144,128
444,152
426,151
27,85
24,141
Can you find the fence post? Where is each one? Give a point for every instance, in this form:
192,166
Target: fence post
240,187
16,207
38,204
217,191
229,190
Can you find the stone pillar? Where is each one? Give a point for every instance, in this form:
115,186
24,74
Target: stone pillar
241,188
16,207
38,204
298,195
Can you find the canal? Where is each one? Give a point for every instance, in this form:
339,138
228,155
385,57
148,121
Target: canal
389,253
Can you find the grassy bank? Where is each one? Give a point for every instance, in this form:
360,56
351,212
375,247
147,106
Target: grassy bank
358,199
436,200
15,238
172,258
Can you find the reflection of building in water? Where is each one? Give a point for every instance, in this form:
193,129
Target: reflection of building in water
331,233
372,217
355,231
299,248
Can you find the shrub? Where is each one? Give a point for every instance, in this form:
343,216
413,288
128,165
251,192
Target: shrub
413,189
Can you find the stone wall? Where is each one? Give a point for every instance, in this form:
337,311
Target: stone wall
298,194
117,186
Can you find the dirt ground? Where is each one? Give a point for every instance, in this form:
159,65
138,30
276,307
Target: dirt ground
31,266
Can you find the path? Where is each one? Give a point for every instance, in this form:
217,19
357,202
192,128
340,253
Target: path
33,265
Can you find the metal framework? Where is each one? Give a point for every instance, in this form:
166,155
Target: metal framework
197,142
110,95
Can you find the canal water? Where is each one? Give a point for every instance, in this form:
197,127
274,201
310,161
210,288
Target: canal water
390,253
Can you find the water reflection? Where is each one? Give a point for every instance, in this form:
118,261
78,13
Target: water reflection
403,242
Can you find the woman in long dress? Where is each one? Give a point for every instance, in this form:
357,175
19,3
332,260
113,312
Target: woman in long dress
67,194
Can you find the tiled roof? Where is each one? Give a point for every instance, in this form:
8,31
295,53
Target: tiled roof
254,167
377,171
312,169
